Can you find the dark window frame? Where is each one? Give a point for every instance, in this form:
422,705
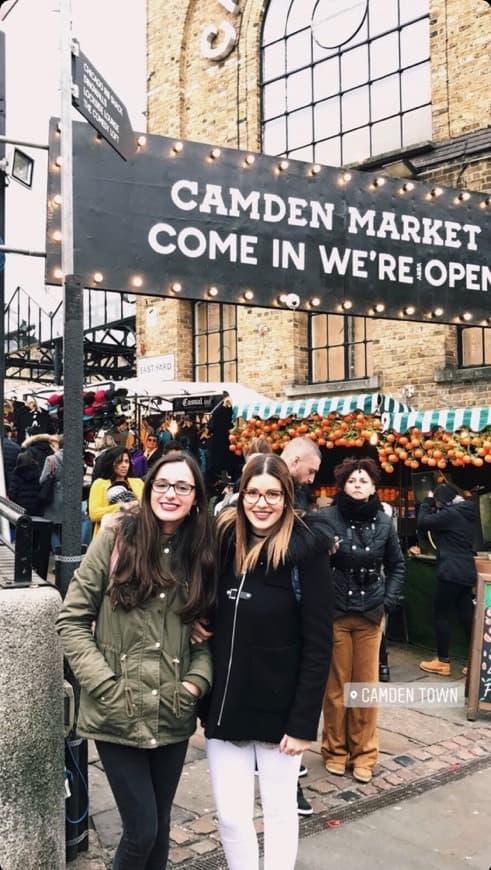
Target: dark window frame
461,364
348,343
224,332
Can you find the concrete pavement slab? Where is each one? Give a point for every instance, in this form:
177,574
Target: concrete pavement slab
446,828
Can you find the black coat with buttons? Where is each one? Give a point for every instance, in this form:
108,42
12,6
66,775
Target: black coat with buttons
368,567
271,652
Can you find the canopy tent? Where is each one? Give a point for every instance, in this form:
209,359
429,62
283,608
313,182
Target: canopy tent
449,419
368,403
155,387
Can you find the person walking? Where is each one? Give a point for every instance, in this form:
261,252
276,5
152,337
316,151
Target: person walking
303,458
153,450
10,451
116,468
271,648
451,521
142,582
54,511
368,574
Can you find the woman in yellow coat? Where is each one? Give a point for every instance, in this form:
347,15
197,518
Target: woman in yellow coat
115,486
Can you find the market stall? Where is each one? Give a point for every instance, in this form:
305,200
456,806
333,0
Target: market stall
415,449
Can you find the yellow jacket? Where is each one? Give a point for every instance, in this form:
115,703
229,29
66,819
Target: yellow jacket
98,503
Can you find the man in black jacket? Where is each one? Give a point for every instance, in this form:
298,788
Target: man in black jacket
450,520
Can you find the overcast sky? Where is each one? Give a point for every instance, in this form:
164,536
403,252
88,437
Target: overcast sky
112,35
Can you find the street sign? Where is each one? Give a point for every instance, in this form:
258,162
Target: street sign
102,108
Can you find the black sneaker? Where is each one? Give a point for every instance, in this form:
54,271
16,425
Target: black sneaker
303,806
384,674
303,770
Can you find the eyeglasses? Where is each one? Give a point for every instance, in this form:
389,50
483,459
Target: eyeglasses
271,496
180,488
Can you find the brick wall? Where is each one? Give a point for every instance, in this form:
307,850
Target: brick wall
219,102
461,71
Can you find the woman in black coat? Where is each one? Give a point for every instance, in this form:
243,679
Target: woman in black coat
451,521
368,573
24,485
271,649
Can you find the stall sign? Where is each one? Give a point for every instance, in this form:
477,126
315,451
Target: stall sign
191,221
195,404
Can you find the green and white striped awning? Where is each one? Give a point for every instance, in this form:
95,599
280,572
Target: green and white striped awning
449,419
369,403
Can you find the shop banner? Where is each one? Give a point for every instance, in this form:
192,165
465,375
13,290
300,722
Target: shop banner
194,221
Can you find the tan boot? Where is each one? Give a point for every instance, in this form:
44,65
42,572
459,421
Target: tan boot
336,767
362,774
441,669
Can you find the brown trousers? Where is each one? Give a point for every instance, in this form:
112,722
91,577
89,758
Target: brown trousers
350,733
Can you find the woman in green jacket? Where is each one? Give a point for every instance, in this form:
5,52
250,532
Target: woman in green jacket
143,582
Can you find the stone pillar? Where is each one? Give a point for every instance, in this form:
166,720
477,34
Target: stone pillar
32,801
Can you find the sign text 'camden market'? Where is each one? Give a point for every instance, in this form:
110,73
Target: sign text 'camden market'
193,221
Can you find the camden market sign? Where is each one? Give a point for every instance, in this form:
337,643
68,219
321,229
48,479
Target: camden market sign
193,221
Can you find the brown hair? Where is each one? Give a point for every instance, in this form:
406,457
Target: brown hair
138,576
258,445
346,468
278,539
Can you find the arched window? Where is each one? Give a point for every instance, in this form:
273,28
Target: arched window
342,81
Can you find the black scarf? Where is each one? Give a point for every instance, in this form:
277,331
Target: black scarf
354,510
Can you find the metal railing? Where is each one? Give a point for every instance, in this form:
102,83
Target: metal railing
26,555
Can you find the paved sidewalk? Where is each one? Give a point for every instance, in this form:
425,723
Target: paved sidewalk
421,748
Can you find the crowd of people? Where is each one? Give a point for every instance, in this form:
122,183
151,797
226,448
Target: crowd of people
249,613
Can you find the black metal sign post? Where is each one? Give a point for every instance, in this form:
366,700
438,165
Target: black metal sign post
193,221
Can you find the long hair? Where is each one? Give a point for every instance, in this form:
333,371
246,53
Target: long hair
234,519
138,575
109,457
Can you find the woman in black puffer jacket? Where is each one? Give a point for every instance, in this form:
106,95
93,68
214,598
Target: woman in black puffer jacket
368,573
24,486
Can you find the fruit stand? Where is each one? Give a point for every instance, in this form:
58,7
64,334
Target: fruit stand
448,444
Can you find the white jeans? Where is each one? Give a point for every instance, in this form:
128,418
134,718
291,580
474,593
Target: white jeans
232,780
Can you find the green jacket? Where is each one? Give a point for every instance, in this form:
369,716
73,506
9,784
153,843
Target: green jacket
131,667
